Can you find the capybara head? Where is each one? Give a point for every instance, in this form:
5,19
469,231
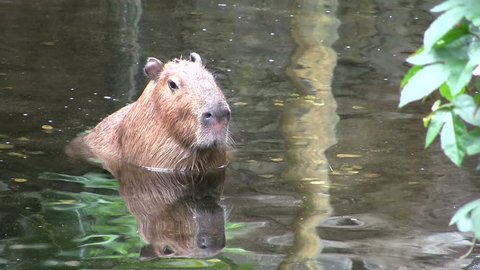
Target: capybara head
192,105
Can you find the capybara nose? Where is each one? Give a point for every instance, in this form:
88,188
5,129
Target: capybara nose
205,241
216,116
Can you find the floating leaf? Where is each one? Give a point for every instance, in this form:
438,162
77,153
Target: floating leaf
371,175
16,154
309,178
276,159
34,153
48,43
344,172
6,146
348,156
19,180
47,127
22,139
240,104
317,182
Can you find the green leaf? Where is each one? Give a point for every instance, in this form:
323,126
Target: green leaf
436,105
423,58
476,97
445,92
464,224
445,6
424,82
452,132
474,51
436,123
461,71
475,222
464,211
476,22
452,35
472,142
472,12
451,46
464,106
442,25
412,71
459,77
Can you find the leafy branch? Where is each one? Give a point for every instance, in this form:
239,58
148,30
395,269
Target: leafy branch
447,69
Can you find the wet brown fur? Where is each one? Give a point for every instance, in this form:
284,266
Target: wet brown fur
162,128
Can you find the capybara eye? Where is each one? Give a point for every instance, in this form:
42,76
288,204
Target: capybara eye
167,250
172,85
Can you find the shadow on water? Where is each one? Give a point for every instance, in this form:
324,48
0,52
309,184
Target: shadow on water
328,173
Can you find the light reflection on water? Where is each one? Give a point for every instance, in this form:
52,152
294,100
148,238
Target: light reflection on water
67,64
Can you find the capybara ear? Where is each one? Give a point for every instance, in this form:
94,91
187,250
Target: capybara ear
194,57
152,68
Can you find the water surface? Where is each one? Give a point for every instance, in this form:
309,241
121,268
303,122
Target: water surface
328,173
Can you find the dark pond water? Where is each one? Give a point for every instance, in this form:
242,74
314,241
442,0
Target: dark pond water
328,173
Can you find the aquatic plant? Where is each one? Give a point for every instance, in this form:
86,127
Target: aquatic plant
447,69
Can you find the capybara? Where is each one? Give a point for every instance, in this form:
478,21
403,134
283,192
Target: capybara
177,213
179,122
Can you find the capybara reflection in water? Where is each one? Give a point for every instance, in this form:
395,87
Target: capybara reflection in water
179,122
177,213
